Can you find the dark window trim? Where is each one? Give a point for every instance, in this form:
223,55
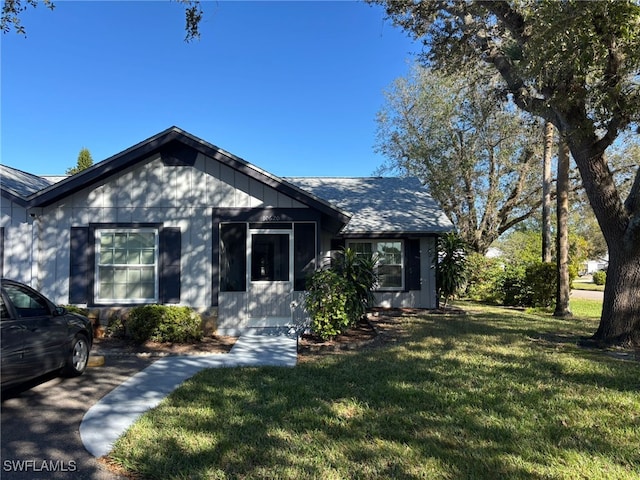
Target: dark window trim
170,255
300,272
411,251
170,261
80,256
264,215
413,265
389,235
253,215
239,231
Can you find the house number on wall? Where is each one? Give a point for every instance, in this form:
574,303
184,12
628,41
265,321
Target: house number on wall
271,218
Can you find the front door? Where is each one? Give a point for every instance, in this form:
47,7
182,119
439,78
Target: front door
269,276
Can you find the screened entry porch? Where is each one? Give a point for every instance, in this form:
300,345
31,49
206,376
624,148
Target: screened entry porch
263,271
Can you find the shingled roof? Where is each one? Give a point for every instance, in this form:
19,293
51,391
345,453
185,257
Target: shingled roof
380,205
388,206
18,184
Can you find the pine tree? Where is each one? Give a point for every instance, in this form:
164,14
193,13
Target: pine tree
84,162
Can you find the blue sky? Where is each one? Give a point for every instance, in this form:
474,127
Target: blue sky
292,87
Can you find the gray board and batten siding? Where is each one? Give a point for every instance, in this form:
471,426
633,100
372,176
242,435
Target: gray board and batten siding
196,199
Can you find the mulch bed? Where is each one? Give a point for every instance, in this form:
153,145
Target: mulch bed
381,327
356,337
120,346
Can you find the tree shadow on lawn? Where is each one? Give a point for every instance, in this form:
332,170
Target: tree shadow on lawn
550,335
431,405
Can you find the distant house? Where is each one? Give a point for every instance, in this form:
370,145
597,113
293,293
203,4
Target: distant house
177,220
591,266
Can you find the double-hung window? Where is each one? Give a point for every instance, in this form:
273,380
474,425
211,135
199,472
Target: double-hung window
127,265
390,265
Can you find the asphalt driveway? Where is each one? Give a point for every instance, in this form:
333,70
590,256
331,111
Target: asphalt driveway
39,432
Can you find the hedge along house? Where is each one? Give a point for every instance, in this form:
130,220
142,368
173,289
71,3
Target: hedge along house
176,220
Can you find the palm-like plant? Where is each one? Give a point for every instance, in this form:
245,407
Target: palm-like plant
451,265
360,271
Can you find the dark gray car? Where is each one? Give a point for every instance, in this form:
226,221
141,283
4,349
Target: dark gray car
38,337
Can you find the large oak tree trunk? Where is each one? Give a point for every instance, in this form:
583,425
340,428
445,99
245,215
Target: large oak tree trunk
591,114
620,320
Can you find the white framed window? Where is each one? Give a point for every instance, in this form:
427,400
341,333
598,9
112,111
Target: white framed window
127,265
270,254
390,266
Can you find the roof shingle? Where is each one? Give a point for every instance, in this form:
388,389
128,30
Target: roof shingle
380,204
19,183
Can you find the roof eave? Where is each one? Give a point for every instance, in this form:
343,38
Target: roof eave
14,197
155,144
396,233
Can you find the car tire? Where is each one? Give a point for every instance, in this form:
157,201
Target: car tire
78,357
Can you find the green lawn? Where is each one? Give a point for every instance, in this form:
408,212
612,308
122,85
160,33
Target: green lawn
586,308
492,394
587,286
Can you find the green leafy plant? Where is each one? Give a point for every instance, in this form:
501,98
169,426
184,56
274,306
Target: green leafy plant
531,285
116,327
339,296
164,323
326,301
483,278
451,265
600,277
359,271
542,282
513,285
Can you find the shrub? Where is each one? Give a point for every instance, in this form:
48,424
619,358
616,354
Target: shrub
600,277
359,271
483,278
531,285
116,327
327,302
339,296
163,323
541,280
573,273
513,285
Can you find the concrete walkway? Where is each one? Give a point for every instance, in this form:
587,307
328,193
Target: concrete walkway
108,419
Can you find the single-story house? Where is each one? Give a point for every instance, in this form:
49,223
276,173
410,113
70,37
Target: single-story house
177,220
592,266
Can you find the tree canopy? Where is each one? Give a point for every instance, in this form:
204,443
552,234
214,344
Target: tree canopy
575,64
476,152
13,9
